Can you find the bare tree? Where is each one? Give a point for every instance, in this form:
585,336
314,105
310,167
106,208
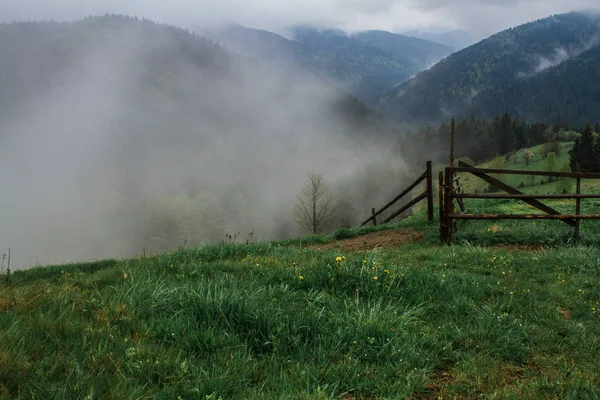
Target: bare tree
316,209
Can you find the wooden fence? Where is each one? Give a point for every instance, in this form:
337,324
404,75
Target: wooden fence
447,196
427,194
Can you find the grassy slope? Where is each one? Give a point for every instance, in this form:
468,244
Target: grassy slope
538,163
281,320
527,184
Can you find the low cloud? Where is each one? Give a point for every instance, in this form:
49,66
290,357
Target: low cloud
100,164
481,17
560,55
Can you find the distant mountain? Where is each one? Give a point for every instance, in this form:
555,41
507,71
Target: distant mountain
155,136
156,62
259,43
569,91
510,71
421,53
376,59
455,39
264,46
366,65
38,57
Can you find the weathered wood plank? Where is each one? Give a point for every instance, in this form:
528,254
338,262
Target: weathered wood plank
509,189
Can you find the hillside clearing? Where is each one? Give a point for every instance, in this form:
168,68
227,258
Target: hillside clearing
275,320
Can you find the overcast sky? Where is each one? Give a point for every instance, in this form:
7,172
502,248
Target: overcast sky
481,17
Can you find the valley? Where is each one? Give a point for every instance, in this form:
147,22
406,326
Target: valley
180,202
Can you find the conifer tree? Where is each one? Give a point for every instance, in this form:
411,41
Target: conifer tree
587,156
584,157
574,156
596,156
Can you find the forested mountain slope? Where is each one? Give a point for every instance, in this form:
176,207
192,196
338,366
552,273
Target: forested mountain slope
118,133
377,60
456,39
420,52
366,64
36,57
484,77
569,91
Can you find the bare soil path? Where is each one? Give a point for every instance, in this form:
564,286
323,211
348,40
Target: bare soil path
387,239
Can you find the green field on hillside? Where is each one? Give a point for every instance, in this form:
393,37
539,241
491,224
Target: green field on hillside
304,319
528,184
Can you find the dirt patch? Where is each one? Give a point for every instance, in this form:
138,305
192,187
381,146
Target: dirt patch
446,385
566,314
387,239
351,397
531,248
437,389
511,375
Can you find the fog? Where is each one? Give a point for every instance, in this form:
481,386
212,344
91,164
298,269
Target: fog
100,163
480,17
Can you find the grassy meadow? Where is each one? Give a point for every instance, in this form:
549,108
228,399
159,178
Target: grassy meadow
510,310
532,184
306,320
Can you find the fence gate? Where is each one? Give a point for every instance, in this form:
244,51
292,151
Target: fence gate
448,194
427,194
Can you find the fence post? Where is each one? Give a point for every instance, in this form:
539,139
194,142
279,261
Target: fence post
577,211
448,201
429,192
441,205
452,133
374,217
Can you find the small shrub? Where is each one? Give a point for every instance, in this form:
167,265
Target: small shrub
343,234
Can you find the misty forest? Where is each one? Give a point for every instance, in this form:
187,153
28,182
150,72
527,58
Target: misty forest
120,133
181,205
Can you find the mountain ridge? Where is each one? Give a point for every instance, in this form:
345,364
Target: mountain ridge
451,87
364,66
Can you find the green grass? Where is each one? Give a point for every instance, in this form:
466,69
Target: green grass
282,320
538,163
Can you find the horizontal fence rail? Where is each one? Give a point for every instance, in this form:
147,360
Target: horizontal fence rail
405,207
427,194
511,190
448,195
524,196
523,216
581,175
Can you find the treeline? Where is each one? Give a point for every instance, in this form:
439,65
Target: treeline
585,156
518,71
37,55
570,89
481,140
